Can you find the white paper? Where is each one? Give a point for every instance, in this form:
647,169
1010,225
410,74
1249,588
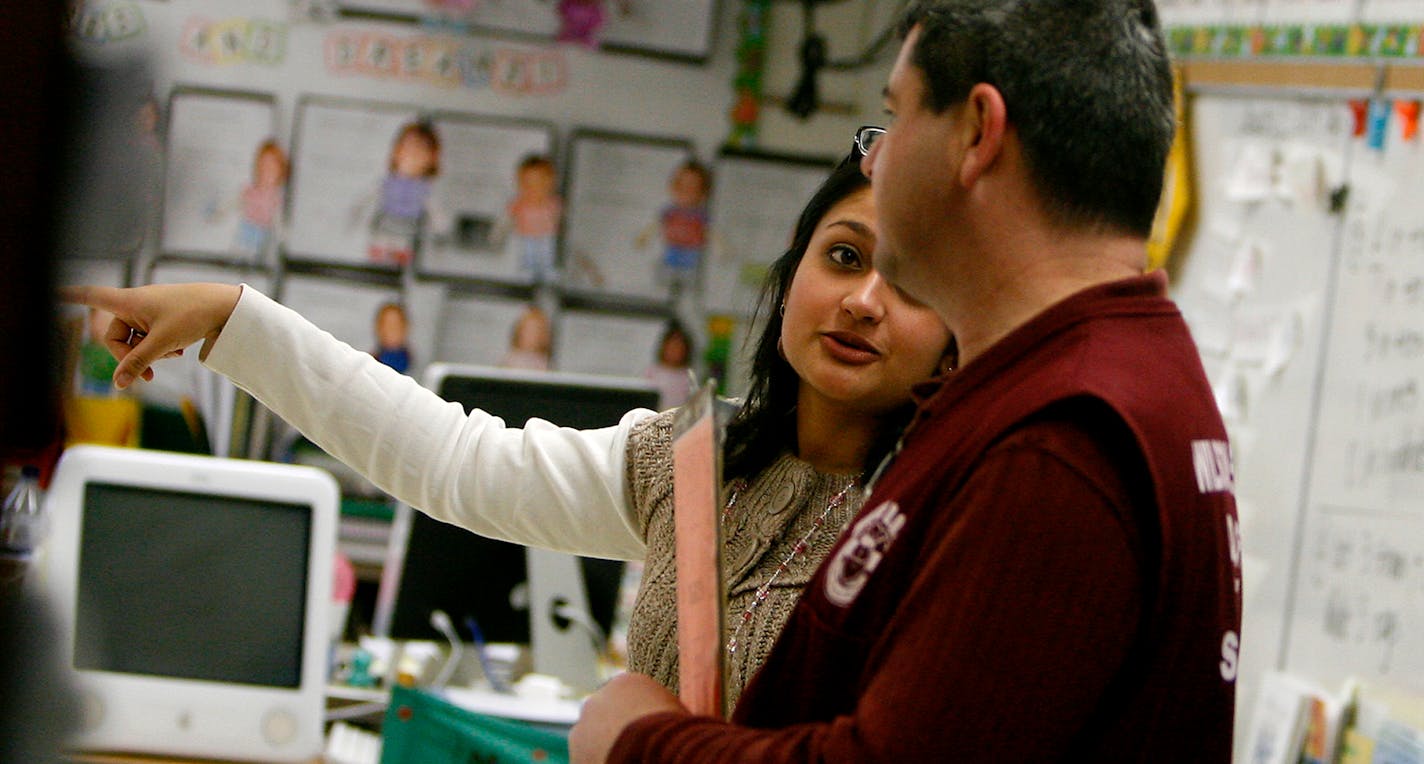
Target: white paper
1302,176
1283,343
1248,261
1278,722
603,343
476,329
212,147
1252,176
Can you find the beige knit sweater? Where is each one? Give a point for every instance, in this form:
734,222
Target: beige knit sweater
774,513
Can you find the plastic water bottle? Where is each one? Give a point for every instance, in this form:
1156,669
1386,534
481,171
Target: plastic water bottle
22,526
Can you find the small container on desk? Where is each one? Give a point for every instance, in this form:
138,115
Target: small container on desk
424,728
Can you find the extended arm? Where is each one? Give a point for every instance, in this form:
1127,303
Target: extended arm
543,485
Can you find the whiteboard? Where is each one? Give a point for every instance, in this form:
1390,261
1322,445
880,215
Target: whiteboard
1307,305
1359,603
1253,288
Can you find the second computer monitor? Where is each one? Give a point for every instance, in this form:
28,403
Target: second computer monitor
433,565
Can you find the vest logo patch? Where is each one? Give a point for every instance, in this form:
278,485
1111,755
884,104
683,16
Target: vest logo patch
1211,460
871,536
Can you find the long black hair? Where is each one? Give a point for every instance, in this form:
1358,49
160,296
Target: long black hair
765,426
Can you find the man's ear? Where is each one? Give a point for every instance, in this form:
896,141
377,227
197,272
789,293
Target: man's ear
986,120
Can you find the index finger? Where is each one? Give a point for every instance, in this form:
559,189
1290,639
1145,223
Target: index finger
102,297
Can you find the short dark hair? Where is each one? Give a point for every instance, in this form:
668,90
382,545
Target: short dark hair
1087,84
765,426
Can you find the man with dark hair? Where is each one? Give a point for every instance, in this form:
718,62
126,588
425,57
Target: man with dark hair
1049,569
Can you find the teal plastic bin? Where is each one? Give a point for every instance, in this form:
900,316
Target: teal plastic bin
421,728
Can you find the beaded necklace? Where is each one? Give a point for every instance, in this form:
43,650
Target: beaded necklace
737,487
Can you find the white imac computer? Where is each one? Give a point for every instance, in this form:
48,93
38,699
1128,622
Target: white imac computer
559,604
193,594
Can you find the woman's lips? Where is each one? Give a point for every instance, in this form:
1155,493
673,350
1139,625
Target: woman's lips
848,347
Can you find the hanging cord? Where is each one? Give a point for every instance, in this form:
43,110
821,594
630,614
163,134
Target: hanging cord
805,99
815,55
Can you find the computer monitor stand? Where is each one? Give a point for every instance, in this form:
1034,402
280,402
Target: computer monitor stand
563,633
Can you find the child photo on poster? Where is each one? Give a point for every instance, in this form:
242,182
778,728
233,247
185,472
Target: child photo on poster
671,370
533,215
618,188
258,205
341,208
491,204
225,176
531,341
404,201
683,227
392,330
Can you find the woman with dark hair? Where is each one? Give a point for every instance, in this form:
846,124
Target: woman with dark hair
770,405
831,382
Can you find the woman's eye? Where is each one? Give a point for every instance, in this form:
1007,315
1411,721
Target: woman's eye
844,256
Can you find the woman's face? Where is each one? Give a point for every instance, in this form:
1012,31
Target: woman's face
855,340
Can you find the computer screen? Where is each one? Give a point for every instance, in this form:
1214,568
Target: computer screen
434,565
181,584
194,596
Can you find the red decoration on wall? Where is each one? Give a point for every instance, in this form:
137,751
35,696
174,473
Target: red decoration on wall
1360,110
1408,112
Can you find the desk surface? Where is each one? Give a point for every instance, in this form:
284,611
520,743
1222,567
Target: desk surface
542,710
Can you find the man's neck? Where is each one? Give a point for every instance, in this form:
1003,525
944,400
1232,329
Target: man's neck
1010,289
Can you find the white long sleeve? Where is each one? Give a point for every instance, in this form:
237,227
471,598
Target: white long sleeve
542,485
